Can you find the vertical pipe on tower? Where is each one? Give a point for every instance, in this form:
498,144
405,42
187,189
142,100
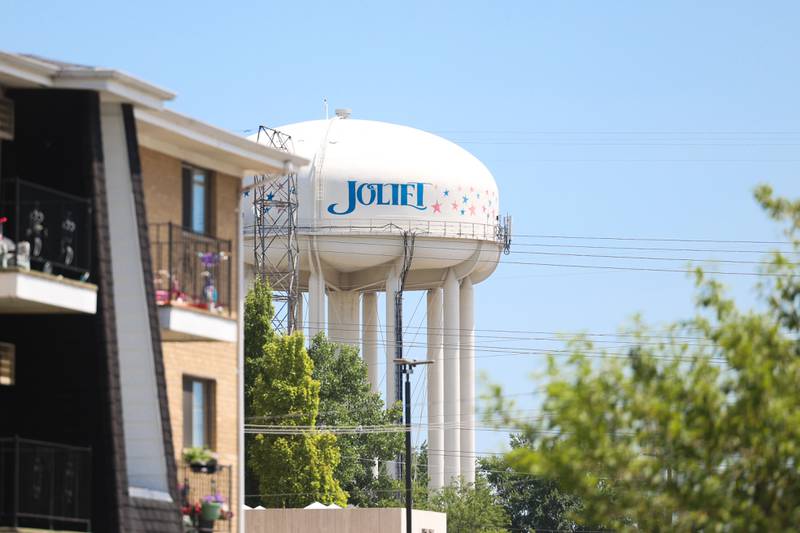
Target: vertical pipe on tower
452,403
316,303
435,391
298,324
467,381
343,317
392,286
369,337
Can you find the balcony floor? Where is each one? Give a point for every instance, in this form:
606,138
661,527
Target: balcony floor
179,323
32,292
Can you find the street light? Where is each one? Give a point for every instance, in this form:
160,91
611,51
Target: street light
407,368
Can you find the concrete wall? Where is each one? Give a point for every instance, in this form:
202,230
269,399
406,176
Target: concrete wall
391,520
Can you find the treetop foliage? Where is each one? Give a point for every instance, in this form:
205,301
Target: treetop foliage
696,429
346,399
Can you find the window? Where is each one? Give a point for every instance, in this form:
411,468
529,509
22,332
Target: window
196,199
198,412
6,363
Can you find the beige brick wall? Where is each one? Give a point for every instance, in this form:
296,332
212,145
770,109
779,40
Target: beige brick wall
214,361
163,190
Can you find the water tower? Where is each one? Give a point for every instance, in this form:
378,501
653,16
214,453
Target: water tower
385,208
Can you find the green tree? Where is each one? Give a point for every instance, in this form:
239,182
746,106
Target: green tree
258,312
697,429
293,470
532,502
258,332
470,508
346,400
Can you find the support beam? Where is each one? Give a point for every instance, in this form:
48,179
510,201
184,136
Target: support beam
369,338
435,391
452,398
392,286
316,303
467,381
343,317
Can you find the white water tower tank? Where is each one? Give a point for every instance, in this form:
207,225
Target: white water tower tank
369,183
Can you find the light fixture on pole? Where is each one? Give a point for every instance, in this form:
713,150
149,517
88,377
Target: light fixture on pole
407,368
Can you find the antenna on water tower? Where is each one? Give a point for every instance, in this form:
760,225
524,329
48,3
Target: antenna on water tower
325,106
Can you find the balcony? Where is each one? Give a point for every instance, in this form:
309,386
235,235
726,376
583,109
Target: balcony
45,250
193,284
195,486
44,485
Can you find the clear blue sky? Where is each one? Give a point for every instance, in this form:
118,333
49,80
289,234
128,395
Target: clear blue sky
596,118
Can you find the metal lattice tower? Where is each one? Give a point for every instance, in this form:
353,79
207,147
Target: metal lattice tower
275,234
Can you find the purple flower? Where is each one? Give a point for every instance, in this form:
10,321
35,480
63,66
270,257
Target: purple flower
214,498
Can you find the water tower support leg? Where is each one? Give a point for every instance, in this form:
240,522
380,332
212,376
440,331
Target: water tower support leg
435,392
343,320
467,382
369,338
316,304
452,397
392,286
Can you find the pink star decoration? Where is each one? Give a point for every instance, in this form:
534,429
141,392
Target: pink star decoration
437,207
472,210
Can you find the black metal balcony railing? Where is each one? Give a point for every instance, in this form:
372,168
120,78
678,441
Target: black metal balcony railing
57,227
45,485
195,486
190,269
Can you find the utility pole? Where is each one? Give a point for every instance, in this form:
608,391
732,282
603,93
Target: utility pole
408,255
406,367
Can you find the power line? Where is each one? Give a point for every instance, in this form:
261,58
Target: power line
624,132
514,350
535,391
645,239
647,258
655,248
422,245
579,266
571,333
733,144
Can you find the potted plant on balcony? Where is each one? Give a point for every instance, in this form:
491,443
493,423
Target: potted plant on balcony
211,507
200,460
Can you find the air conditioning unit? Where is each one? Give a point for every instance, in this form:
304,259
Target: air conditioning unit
6,119
7,356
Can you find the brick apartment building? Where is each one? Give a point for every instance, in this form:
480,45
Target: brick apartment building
120,343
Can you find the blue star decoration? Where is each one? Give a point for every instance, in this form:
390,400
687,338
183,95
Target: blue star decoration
462,211
270,196
465,199
246,194
446,192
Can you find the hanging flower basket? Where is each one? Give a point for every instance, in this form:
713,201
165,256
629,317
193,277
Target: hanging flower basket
210,511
